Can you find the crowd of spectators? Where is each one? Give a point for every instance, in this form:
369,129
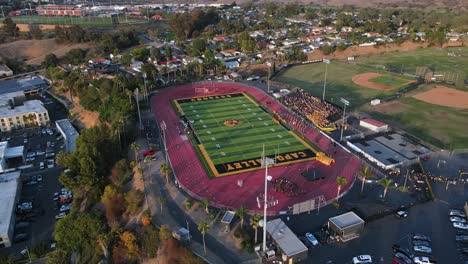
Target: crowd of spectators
288,187
320,112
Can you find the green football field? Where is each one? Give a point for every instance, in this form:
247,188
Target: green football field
68,20
231,130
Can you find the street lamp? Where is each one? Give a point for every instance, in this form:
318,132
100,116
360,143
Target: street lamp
268,80
138,106
163,127
325,80
265,162
345,103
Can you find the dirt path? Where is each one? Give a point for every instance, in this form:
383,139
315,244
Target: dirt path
445,96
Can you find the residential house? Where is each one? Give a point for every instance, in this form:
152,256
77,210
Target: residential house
231,63
136,65
100,61
157,17
230,52
5,71
220,38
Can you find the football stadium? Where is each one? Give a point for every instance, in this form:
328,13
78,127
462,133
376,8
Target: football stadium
218,135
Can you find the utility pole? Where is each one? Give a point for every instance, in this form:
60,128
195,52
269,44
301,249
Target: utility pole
268,80
345,103
325,80
266,161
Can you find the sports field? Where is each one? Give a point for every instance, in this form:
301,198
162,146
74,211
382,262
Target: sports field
230,131
389,80
65,20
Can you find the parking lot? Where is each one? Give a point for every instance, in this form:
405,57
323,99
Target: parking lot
40,180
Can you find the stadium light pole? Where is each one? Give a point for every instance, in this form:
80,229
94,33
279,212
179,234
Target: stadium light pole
325,80
268,80
345,103
266,161
138,106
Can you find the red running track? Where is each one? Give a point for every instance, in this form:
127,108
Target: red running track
223,192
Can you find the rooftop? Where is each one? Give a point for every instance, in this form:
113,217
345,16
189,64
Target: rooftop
70,132
373,122
286,240
9,186
346,220
5,98
3,67
32,106
228,217
23,84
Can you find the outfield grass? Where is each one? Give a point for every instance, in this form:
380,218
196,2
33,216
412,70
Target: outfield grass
310,77
442,126
389,80
231,144
63,20
435,58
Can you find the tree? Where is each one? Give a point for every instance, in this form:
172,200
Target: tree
386,183
135,146
35,31
164,169
242,212
366,173
198,46
164,233
50,60
10,28
254,222
168,52
146,218
341,181
134,199
149,241
206,204
130,241
114,203
203,227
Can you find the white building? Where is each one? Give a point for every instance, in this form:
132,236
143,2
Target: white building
10,184
69,134
9,153
15,115
373,125
5,71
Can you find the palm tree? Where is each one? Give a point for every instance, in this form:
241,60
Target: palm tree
366,173
254,222
386,183
135,146
161,201
165,170
206,204
242,212
203,228
341,181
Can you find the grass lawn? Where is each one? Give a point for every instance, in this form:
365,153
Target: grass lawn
435,58
238,147
62,20
389,80
442,126
310,77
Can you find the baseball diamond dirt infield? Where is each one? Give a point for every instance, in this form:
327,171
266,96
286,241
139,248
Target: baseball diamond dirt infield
246,188
378,81
444,96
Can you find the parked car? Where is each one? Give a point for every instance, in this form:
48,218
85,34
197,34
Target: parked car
421,237
404,259
423,260
56,196
65,208
454,212
465,251
21,237
61,215
421,243
305,241
423,249
362,259
50,163
39,178
22,225
462,238
401,214
457,219
148,153
460,225
398,249
312,239
41,165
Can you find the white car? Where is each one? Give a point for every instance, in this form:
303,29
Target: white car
311,239
422,260
454,212
61,215
423,249
457,219
362,259
65,208
460,225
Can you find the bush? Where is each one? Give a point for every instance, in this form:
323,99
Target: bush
134,199
188,204
336,204
212,215
242,245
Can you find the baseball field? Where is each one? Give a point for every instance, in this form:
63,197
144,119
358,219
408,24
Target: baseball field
441,122
231,130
